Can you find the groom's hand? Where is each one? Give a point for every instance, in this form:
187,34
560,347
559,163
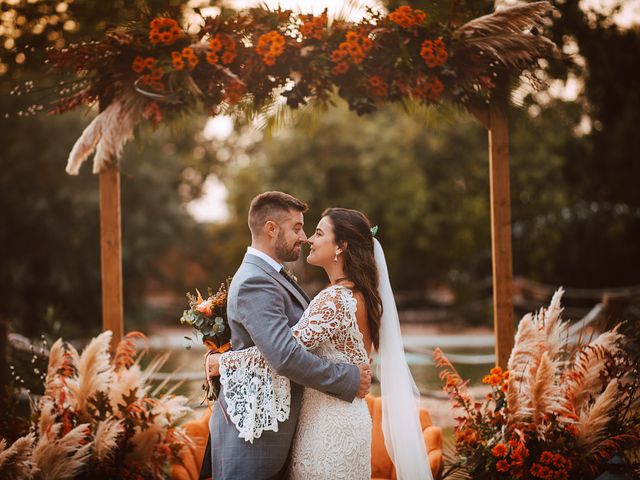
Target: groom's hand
365,379
213,363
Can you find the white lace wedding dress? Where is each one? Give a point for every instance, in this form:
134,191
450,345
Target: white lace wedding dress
333,437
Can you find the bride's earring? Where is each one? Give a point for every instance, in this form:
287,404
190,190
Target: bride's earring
335,259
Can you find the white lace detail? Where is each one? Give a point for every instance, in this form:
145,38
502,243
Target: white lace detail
258,398
333,438
329,327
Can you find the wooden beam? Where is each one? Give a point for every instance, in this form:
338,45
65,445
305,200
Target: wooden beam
503,317
111,252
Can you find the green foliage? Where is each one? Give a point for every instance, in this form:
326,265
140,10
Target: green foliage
427,188
51,237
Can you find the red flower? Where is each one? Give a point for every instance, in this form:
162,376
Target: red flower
500,450
503,466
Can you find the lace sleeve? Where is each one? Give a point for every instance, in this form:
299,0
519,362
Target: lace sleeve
257,397
323,317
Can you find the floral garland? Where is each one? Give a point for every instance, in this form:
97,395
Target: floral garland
252,57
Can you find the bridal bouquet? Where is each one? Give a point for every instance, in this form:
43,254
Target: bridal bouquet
208,318
557,413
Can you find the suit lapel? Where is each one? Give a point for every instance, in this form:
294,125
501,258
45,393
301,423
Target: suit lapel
268,269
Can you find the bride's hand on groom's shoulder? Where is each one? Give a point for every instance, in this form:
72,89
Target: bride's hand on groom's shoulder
365,379
212,364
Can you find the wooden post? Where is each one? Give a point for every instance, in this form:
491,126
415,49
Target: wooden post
503,318
111,252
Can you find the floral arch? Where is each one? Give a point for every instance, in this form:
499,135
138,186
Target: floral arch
153,70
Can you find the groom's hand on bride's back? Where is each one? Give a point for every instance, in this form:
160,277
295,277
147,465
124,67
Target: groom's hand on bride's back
365,379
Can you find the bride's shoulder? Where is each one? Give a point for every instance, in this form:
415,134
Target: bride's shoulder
332,292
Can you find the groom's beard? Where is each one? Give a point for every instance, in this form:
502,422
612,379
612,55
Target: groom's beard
287,253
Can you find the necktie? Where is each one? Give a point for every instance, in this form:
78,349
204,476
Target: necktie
294,283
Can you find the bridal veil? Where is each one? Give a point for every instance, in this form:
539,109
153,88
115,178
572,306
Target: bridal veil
400,397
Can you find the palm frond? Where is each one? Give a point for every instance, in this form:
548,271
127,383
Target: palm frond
508,37
516,19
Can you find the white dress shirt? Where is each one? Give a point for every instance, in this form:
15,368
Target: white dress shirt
254,251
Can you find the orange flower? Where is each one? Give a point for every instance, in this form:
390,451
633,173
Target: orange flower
138,65
407,17
164,30
313,26
340,69
269,59
434,52
337,56
215,44
154,37
177,61
352,38
503,466
149,63
228,57
205,308
192,61
270,45
500,450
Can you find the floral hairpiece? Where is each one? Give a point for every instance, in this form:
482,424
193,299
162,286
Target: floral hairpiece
374,230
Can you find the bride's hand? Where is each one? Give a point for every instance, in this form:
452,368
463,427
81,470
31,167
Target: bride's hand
212,364
365,379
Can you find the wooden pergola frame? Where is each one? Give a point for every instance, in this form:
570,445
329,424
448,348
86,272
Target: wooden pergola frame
494,118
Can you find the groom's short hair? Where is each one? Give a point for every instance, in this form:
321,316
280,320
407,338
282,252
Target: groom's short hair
270,206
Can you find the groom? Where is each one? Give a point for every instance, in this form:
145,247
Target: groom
263,304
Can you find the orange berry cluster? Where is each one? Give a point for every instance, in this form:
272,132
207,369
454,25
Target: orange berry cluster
434,52
221,48
551,467
407,17
178,59
429,88
354,48
140,64
378,86
164,30
270,46
313,26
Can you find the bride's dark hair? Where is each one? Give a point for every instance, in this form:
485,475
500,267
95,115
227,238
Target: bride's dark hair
352,232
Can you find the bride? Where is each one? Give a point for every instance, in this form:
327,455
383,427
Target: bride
354,314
